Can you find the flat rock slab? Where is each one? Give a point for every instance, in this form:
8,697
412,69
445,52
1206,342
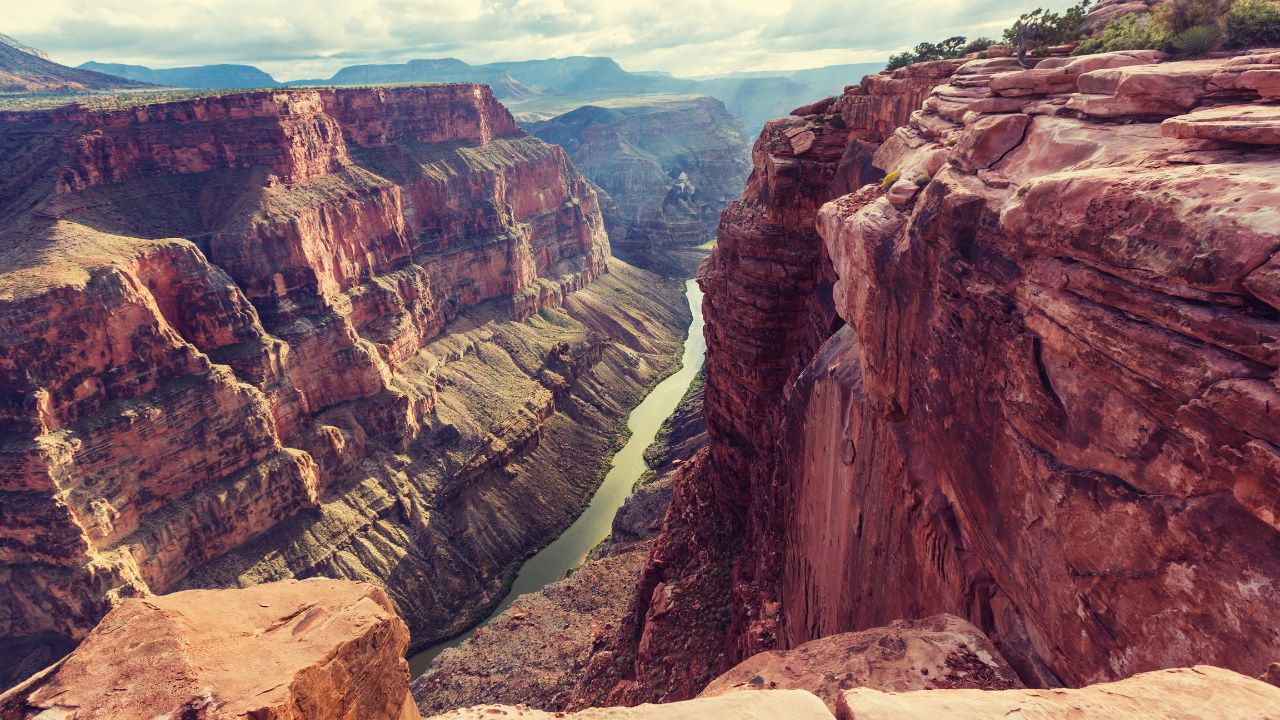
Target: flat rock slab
1199,693
770,705
942,651
316,649
1252,124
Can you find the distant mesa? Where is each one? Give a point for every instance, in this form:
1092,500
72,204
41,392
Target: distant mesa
201,76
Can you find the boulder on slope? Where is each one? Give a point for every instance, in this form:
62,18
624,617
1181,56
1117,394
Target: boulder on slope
942,651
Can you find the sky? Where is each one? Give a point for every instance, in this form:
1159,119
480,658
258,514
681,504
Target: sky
314,38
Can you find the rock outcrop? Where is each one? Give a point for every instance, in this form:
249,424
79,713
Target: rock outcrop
1025,380
313,650
772,705
227,359
1197,693
670,167
941,652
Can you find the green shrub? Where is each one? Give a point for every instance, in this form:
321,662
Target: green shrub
1131,32
978,45
1044,27
949,49
1252,23
902,59
1198,40
1179,16
890,179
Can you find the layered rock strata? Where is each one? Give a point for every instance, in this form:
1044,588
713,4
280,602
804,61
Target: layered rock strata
317,649
1025,380
227,359
668,167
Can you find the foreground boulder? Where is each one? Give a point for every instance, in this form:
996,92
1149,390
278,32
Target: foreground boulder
1199,693
942,651
313,649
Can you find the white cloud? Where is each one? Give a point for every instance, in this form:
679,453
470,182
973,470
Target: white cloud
293,40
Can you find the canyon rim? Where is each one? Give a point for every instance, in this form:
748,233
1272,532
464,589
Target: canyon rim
539,388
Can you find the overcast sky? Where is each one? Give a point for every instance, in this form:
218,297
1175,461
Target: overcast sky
293,39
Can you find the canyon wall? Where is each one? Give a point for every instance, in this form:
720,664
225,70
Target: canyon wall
1025,379
227,357
669,167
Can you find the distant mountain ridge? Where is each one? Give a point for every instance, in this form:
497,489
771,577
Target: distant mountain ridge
25,70
199,76
540,89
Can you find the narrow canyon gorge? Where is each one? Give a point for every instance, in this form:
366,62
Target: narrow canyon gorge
299,385
363,334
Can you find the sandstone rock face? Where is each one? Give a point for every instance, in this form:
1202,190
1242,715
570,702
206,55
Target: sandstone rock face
1035,394
225,361
1252,124
315,649
770,312
1198,693
670,167
938,652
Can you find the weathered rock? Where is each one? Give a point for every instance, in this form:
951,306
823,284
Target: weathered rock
938,652
988,140
1103,13
291,650
1037,397
1253,124
774,705
1144,90
1199,693
765,321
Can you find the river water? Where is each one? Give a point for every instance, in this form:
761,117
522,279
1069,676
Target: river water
595,523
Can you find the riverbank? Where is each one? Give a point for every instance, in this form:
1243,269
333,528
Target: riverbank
506,638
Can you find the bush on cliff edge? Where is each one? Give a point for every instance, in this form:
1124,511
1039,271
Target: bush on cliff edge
1252,23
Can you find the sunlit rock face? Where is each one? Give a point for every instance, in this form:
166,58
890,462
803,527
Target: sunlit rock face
318,649
226,359
1027,379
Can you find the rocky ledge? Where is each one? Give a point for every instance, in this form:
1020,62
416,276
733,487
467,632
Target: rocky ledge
316,649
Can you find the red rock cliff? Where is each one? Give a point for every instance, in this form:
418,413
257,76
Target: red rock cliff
215,309
1027,381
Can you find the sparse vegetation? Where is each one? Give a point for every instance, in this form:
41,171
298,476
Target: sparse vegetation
1184,28
1131,32
890,179
1198,40
1190,28
1178,16
1252,23
952,47
1042,28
